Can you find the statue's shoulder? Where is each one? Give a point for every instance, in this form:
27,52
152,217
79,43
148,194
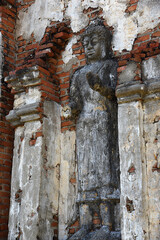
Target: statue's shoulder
79,71
111,63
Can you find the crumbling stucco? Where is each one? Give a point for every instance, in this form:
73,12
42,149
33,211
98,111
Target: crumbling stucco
129,73
151,68
67,55
32,96
68,185
38,16
131,145
151,73
152,147
26,174
126,27
51,155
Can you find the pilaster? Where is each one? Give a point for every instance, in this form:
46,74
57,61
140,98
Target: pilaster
138,124
36,160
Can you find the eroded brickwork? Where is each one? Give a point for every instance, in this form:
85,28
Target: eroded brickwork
7,63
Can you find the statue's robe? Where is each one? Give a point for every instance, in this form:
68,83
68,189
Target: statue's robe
96,133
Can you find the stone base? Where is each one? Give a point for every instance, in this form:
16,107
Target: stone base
101,234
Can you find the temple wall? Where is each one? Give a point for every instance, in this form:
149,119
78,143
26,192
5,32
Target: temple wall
38,56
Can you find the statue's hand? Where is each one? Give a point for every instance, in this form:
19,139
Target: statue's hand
66,112
93,81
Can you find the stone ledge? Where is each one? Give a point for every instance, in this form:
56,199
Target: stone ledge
150,89
24,114
24,78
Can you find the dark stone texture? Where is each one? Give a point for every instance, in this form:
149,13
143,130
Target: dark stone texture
93,102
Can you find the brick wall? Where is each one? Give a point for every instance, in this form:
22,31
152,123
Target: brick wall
7,25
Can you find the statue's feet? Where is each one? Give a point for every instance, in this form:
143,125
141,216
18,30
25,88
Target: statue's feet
80,234
102,234
115,236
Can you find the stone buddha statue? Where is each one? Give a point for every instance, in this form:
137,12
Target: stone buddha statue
93,103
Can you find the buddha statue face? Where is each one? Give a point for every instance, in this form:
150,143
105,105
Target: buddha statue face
97,42
93,47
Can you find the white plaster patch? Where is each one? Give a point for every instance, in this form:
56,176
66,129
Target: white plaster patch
68,53
151,69
126,28
32,96
67,190
38,17
78,19
147,14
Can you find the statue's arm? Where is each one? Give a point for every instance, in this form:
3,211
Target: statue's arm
75,101
96,83
104,81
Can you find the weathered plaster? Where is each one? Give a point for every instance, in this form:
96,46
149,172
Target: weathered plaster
32,96
26,174
38,16
126,27
68,186
151,73
68,55
132,162
152,147
128,74
151,68
51,155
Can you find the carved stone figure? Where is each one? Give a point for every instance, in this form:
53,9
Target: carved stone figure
92,100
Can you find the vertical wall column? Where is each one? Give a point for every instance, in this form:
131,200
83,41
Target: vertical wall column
139,146
151,106
132,163
36,161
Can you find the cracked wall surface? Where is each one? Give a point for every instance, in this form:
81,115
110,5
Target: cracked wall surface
126,26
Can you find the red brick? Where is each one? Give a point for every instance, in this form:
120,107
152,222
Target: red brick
67,123
82,63
96,221
72,230
48,96
133,1
120,69
65,85
77,45
143,38
82,56
73,180
126,56
39,134
45,71
64,98
62,35
122,63
156,34
54,224
4,194
132,8
31,46
47,89
3,234
32,142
